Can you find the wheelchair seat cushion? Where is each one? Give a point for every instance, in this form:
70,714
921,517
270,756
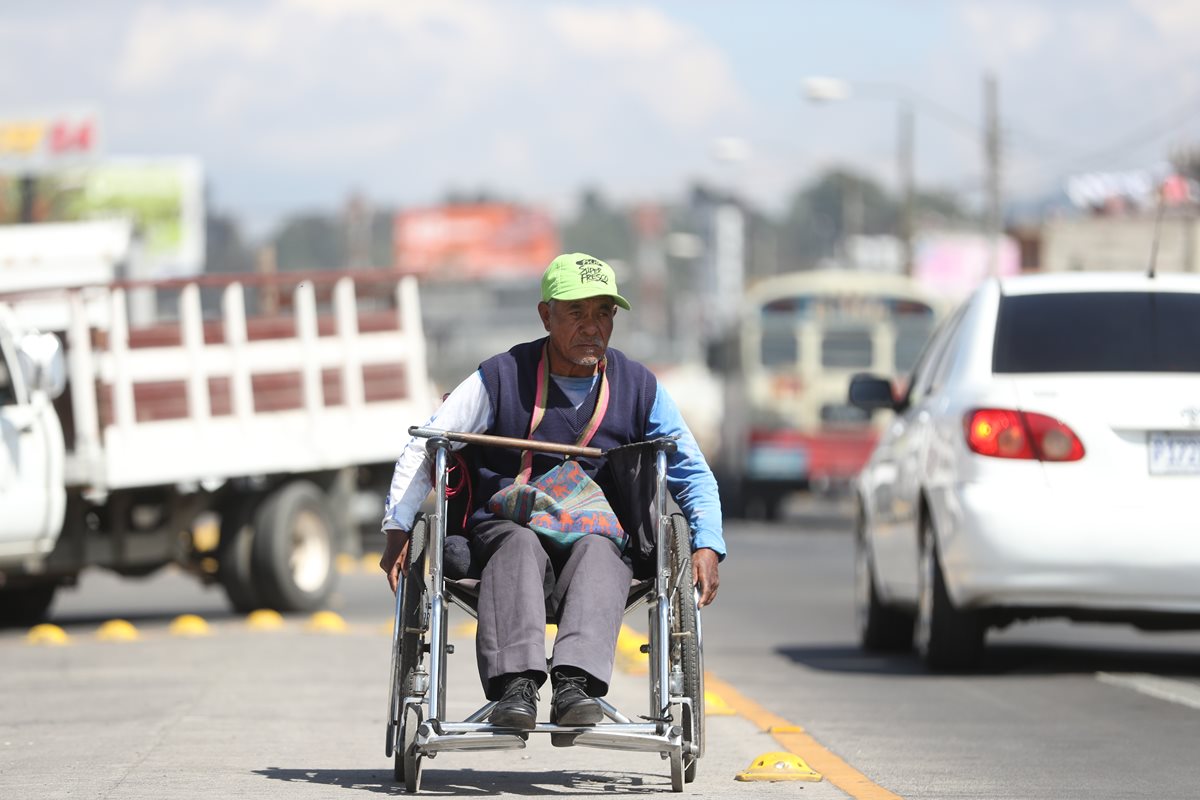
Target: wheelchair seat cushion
466,591
456,558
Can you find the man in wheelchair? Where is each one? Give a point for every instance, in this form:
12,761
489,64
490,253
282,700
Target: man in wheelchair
568,388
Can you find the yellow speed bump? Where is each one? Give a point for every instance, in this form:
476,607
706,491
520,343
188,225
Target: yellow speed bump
793,739
629,651
264,619
346,564
779,766
326,622
188,625
117,630
466,628
47,634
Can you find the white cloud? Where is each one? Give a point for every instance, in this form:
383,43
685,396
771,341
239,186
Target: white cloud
1009,30
1085,85
165,41
302,98
673,70
1173,19
338,76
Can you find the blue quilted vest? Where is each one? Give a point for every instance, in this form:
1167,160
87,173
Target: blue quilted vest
511,382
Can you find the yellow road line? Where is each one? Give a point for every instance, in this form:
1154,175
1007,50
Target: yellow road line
794,739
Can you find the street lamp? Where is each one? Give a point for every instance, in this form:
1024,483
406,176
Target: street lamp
823,89
831,90
728,256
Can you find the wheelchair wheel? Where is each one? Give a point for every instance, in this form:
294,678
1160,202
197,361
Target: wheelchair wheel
408,753
686,645
678,771
411,646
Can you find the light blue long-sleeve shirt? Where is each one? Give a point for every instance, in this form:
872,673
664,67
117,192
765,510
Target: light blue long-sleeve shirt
469,410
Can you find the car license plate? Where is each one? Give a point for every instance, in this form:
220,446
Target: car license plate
777,463
1175,454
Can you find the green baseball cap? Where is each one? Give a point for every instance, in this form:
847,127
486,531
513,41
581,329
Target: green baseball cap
575,276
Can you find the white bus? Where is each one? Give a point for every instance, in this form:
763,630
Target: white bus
799,339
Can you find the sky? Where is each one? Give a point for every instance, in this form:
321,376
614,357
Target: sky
291,105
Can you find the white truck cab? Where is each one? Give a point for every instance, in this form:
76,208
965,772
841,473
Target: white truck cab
32,494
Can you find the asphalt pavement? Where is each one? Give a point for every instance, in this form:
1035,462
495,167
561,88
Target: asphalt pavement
221,709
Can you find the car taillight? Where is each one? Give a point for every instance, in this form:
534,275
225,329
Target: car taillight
1053,440
1003,433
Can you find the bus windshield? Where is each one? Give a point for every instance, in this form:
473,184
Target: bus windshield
801,337
848,330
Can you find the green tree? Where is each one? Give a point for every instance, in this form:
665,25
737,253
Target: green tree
311,241
224,248
837,204
840,203
599,229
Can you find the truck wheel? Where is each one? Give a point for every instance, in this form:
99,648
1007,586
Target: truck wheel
25,606
292,554
234,557
733,496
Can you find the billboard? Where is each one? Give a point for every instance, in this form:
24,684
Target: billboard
474,240
952,264
36,143
163,197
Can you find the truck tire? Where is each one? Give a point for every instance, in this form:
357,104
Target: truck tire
733,496
26,605
293,550
234,571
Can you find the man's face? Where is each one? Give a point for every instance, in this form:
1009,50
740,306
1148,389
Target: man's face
579,332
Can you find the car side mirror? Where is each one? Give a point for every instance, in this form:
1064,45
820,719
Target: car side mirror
722,355
871,393
43,364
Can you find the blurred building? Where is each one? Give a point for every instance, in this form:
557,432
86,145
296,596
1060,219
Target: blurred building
1119,221
480,267
477,240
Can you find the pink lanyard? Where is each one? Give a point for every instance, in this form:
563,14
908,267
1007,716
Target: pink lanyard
539,411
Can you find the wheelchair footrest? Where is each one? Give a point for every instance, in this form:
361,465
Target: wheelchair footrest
640,737
604,736
433,743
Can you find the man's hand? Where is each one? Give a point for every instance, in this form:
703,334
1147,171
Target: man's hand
704,570
395,556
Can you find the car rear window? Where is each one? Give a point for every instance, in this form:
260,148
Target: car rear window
1098,332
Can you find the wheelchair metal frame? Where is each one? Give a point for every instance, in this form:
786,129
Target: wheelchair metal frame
674,726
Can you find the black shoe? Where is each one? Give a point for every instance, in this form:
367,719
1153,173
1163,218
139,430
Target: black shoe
571,704
518,707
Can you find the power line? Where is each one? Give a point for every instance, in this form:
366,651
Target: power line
1144,134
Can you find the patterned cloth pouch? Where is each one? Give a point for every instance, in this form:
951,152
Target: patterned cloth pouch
565,504
561,506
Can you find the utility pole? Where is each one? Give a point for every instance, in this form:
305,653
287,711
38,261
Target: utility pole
356,221
27,192
905,140
991,148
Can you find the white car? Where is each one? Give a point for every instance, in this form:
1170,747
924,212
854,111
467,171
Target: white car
1043,461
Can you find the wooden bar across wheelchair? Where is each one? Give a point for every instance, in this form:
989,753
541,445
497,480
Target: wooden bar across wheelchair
504,441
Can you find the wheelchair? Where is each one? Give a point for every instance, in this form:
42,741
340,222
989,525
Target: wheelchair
417,727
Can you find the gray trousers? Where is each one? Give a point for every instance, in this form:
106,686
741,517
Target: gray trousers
522,586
